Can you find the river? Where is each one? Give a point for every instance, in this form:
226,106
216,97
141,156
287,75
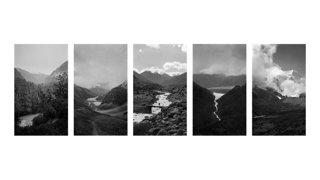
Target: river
27,120
217,96
162,101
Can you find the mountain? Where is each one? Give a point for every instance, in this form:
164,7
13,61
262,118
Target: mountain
63,68
155,77
116,96
232,110
142,83
218,80
275,115
98,90
17,74
179,80
203,108
35,78
82,93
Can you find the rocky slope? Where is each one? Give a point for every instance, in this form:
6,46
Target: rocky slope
172,120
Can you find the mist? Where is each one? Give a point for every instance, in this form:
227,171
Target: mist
266,73
100,65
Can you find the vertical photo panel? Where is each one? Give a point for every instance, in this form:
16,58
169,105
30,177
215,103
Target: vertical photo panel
160,89
100,89
41,89
219,89
279,89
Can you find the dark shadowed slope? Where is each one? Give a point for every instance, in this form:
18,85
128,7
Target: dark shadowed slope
277,115
116,96
203,108
232,111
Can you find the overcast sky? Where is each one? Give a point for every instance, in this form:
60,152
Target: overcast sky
163,58
291,57
40,58
219,59
100,64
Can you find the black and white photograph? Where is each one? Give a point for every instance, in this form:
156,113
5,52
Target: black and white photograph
160,89
100,89
279,89
219,89
41,89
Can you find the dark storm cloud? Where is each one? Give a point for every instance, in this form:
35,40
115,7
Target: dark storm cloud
219,58
99,64
40,58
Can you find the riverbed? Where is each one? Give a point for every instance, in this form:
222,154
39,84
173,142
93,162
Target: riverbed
162,101
217,96
27,120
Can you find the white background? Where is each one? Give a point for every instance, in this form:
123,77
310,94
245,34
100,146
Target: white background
138,21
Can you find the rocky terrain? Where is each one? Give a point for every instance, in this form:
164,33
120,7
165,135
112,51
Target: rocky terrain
274,114
170,121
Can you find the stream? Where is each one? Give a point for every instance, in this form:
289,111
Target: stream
27,120
217,96
162,101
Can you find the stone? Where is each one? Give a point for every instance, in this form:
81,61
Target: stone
162,132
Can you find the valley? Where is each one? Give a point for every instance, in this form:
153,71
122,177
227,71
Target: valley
159,109
41,102
219,110
101,115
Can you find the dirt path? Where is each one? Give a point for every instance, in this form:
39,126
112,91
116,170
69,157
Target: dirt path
95,129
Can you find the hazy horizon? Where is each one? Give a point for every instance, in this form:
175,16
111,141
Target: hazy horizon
40,58
100,65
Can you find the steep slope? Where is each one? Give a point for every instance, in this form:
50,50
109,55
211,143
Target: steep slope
176,81
63,68
17,74
142,83
116,96
155,77
218,80
35,78
82,93
232,111
203,108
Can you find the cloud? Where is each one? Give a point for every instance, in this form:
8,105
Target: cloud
268,74
231,67
172,68
156,46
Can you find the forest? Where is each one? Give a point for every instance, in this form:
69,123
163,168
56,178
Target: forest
49,100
